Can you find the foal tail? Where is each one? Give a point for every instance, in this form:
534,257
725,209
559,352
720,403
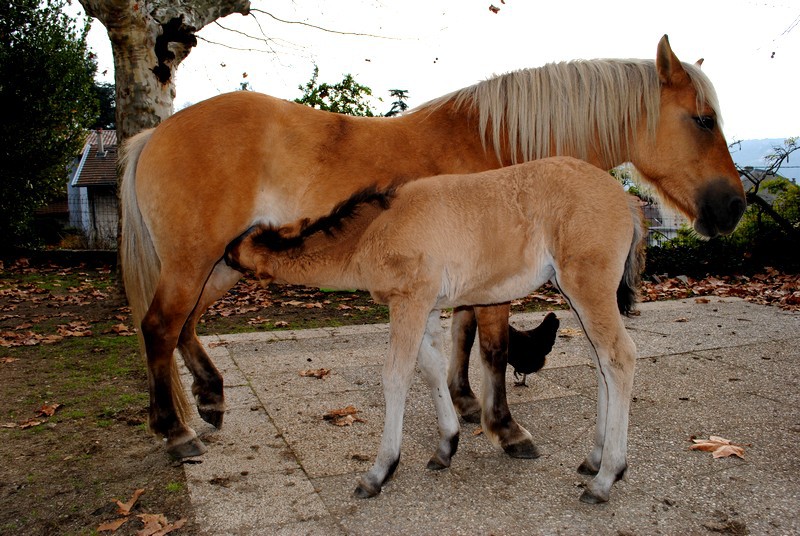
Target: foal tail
628,290
141,266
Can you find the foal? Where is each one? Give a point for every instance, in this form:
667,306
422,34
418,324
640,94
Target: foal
477,240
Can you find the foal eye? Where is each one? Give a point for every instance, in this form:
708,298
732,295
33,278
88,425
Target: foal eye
705,122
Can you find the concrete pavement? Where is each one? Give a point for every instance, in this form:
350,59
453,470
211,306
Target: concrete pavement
725,367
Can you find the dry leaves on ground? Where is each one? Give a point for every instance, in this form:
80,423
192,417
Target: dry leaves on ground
343,417
320,373
154,524
768,288
719,447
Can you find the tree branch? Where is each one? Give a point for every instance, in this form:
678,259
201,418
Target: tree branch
318,27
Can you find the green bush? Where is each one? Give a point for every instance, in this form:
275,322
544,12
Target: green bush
757,242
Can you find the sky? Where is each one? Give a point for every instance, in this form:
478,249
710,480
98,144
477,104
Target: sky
751,48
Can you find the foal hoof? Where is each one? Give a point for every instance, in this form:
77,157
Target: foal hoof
212,416
472,417
364,490
585,469
590,498
524,449
189,449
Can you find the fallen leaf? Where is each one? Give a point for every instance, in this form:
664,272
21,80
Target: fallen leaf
281,324
30,423
112,525
682,319
569,332
343,417
6,360
320,373
719,447
701,300
48,410
125,508
478,431
157,525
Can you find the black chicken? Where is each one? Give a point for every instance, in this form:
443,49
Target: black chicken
531,347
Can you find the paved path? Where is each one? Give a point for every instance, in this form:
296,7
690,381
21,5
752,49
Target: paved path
725,368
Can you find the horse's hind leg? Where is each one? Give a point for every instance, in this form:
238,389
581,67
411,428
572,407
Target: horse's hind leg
408,322
463,330
496,419
207,385
527,349
432,366
594,303
172,304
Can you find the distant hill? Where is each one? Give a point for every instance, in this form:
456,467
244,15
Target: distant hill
752,153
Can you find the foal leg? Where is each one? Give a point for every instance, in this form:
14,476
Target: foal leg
207,385
462,331
432,366
615,357
408,322
496,419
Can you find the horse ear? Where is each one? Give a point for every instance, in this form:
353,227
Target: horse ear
670,70
699,63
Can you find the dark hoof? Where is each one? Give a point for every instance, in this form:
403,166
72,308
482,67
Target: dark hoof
524,449
437,463
366,491
472,417
590,498
586,469
212,416
191,448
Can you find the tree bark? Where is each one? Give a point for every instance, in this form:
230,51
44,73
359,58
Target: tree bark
149,39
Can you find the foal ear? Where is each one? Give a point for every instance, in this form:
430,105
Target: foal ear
670,70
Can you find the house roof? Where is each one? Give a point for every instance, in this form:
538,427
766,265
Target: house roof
98,168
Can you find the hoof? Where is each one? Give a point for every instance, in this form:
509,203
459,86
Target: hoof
212,416
189,449
524,449
472,417
590,498
365,491
437,463
586,469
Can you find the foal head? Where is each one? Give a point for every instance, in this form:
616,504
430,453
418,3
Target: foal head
687,158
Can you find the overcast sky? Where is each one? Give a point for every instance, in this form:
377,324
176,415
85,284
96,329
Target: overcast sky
751,48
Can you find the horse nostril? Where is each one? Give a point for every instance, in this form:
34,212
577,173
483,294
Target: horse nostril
736,208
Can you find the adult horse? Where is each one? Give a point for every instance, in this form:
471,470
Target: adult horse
211,171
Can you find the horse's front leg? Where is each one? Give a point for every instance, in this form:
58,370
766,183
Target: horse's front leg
496,419
408,321
207,385
432,366
462,330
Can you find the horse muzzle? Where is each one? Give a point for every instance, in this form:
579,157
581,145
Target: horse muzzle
720,206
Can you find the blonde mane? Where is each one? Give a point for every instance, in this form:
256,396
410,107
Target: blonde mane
570,104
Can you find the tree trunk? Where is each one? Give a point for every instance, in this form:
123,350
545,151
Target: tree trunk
149,39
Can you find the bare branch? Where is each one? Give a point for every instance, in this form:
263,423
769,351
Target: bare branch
201,38
318,27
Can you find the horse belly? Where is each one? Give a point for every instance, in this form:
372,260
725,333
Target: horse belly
488,283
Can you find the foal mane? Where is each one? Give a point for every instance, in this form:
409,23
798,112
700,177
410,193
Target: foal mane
570,104
293,236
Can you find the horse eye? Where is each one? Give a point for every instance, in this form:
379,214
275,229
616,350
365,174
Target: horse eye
705,122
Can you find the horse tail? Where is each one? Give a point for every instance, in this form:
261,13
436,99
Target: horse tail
140,264
628,290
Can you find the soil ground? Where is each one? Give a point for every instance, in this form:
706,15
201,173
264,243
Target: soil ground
73,389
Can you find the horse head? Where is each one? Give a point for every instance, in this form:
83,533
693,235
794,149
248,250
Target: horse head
687,157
